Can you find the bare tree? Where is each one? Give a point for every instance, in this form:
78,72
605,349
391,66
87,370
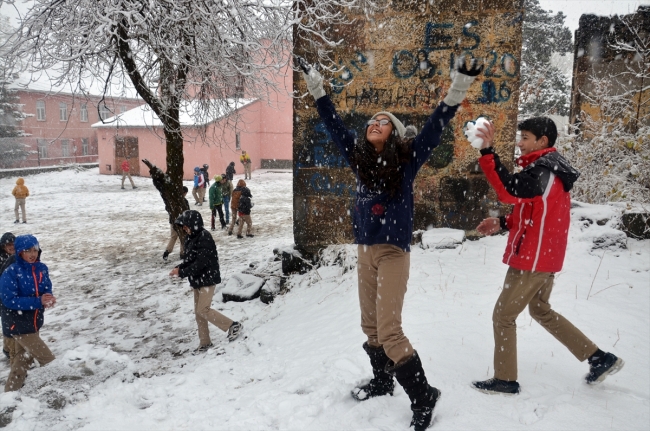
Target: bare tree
612,147
172,52
612,156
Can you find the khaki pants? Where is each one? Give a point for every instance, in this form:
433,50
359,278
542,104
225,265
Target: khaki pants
249,224
127,175
532,289
204,314
199,194
22,353
20,203
233,219
383,272
172,239
247,171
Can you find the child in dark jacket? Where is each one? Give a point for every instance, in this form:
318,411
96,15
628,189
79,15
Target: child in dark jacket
201,267
244,213
25,290
538,229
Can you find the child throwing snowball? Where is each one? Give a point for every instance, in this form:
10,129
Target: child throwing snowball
538,229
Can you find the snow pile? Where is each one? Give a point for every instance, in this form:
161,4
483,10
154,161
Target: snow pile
442,238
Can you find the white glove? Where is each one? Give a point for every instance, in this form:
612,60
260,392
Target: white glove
463,79
314,83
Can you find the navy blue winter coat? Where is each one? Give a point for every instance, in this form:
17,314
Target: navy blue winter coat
21,286
377,218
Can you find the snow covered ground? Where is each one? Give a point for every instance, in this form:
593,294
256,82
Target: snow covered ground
122,327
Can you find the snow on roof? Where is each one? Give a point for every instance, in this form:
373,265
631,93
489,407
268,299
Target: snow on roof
190,115
43,81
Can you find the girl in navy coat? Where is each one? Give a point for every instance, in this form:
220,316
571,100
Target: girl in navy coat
25,290
385,164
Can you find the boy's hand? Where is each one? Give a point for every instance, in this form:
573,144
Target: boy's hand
48,300
489,226
174,272
487,134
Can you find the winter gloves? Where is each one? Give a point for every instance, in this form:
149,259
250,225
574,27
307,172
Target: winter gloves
461,82
314,83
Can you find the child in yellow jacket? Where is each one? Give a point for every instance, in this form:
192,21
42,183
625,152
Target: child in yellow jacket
20,192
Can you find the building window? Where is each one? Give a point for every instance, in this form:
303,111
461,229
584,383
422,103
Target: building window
83,113
104,112
84,146
40,110
63,111
65,148
237,142
42,149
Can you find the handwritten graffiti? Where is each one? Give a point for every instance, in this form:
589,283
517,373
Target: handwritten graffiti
493,95
347,72
439,36
323,184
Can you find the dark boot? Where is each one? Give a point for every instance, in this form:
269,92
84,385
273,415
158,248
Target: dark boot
382,383
423,397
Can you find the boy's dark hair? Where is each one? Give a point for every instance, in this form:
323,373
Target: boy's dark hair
540,126
185,189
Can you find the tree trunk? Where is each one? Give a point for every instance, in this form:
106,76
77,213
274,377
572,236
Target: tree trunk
170,184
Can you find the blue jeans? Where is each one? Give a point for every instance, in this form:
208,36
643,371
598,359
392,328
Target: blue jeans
226,205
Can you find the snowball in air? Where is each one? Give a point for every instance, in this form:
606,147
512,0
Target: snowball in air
470,131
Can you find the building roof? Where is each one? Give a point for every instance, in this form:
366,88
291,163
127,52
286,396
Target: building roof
42,81
191,115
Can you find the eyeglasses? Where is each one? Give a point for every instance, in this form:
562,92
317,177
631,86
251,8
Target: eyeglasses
381,122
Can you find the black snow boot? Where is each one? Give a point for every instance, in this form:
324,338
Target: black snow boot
423,397
382,383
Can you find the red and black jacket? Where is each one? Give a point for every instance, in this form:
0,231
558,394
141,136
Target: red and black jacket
539,223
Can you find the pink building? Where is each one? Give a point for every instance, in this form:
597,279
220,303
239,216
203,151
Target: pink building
263,128
59,125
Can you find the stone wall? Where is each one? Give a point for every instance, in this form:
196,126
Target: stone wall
595,56
399,59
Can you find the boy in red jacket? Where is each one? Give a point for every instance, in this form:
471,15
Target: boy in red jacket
538,229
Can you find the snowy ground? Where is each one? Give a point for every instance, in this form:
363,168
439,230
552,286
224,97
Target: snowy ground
122,326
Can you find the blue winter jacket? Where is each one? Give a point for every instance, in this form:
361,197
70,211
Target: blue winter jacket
379,219
21,286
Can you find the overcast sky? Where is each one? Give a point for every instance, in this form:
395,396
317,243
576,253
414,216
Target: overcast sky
574,8
571,8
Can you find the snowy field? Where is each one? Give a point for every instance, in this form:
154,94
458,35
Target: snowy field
122,328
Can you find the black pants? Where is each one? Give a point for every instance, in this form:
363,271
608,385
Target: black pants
217,208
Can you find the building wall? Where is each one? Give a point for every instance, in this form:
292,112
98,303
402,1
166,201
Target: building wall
51,132
215,146
400,61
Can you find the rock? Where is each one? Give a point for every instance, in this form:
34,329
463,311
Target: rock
271,289
242,287
294,262
636,225
442,238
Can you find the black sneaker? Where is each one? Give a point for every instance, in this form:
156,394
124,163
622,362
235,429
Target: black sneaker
602,367
17,221
202,349
240,237
229,232
234,331
165,254
24,222
497,386
250,235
